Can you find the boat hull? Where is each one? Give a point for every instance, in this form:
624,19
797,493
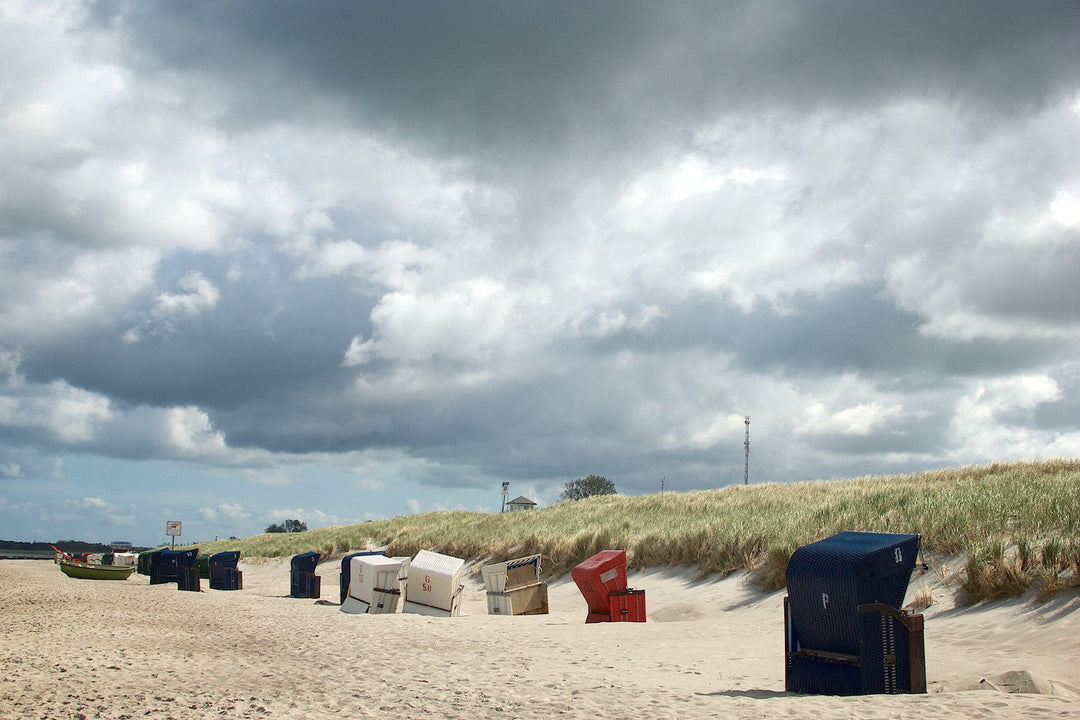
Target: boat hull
86,571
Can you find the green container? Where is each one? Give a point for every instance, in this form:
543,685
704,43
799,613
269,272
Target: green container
142,566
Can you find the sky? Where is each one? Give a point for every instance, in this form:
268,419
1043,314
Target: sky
266,260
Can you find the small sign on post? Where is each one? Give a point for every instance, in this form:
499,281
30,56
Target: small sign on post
172,529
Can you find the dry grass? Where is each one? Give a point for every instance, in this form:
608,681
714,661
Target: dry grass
923,599
1018,524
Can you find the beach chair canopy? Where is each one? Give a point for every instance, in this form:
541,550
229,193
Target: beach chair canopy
599,576
346,566
180,558
434,579
828,580
522,568
368,573
305,562
222,560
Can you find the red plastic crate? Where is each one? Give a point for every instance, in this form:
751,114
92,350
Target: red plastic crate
627,606
598,577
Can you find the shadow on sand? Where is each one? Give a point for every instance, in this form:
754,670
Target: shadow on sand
755,694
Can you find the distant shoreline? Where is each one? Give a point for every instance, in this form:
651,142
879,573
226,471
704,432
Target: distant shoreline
18,550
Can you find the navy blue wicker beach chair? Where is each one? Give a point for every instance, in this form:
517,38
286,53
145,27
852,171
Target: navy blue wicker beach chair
163,567
304,583
187,570
845,633
223,572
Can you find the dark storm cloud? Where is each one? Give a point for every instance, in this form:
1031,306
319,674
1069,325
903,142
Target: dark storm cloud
854,328
1036,292
262,338
523,78
549,423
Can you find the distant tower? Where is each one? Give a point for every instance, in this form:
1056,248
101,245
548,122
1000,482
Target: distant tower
746,447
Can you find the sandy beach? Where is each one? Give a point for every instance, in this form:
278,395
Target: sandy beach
127,649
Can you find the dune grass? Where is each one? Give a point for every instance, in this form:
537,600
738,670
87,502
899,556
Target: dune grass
1017,525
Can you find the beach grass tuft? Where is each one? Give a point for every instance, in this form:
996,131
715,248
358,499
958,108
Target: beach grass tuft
1016,524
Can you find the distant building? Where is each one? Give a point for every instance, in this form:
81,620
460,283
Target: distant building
520,503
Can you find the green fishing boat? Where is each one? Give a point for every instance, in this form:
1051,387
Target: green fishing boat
91,571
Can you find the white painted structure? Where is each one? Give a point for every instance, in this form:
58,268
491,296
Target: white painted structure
495,574
374,585
514,587
125,558
435,584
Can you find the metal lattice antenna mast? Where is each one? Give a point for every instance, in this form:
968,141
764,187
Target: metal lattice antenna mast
746,447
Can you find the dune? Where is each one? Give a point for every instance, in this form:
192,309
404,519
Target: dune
714,648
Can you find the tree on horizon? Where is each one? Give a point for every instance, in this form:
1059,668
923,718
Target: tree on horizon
587,486
289,526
